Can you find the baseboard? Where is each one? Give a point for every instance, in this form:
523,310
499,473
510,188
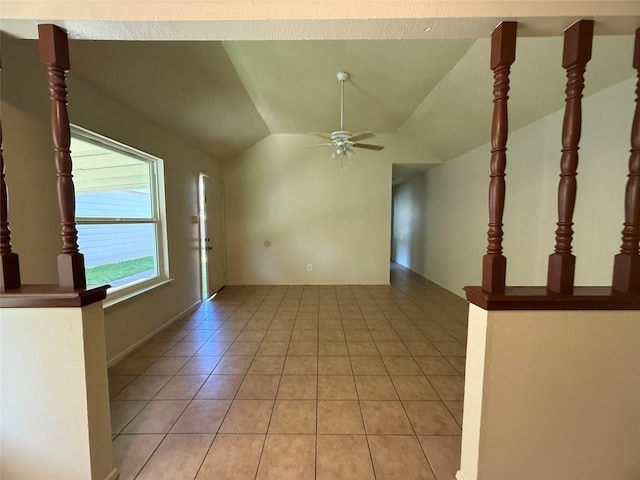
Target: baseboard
459,475
127,351
113,475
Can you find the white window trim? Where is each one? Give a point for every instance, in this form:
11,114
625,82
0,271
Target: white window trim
126,292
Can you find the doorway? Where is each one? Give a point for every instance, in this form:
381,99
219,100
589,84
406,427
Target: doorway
212,245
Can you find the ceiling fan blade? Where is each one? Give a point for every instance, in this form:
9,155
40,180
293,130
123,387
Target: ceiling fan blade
361,136
366,145
321,145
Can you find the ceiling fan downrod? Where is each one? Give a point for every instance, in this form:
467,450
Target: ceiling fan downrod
342,76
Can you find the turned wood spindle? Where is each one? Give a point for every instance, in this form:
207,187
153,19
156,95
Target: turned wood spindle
54,53
503,54
626,267
576,54
10,273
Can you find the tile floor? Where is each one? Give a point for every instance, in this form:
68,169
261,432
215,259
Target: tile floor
298,382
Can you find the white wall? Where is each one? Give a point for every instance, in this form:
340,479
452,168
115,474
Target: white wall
311,211
408,229
455,200
34,218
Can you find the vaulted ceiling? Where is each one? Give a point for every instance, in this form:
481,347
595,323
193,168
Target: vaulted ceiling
226,96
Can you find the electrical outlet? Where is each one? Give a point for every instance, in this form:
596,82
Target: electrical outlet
309,267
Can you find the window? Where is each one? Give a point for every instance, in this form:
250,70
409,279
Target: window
119,214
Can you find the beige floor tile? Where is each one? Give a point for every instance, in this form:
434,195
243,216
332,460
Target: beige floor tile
199,366
143,388
330,365
155,348
118,382
181,387
332,348
275,334
459,363
250,335
243,348
259,387
343,457
158,416
450,348
132,365
178,457
455,407
233,365
273,348
392,349
448,387
288,457
411,334
199,335
435,366
401,366
384,417
410,387
362,349
357,334
422,349
232,457
166,366
299,365
305,334
303,348
431,418
331,335
378,387
293,416
339,417
384,334
131,452
270,365
398,457
184,349
202,416
220,387
122,412
336,387
368,366
298,387
248,416
214,348
224,336
443,453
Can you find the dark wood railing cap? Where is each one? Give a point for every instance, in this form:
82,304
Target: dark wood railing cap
51,296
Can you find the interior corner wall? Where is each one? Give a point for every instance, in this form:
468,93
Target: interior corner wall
288,206
455,203
30,172
408,230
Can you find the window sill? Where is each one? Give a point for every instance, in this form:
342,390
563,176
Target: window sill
122,296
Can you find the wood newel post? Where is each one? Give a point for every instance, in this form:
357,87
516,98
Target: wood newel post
576,54
54,53
626,267
503,54
10,273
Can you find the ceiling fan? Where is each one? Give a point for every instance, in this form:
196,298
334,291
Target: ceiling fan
343,141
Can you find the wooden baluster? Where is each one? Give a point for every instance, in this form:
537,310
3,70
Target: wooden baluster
626,267
503,54
10,273
577,52
54,53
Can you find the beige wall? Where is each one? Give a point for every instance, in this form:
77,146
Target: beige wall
33,214
552,395
311,211
454,210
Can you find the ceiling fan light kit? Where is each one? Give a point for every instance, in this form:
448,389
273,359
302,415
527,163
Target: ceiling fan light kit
342,140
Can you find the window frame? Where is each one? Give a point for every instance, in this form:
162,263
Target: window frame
158,211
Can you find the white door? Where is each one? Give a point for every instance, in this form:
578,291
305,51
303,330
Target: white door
212,235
